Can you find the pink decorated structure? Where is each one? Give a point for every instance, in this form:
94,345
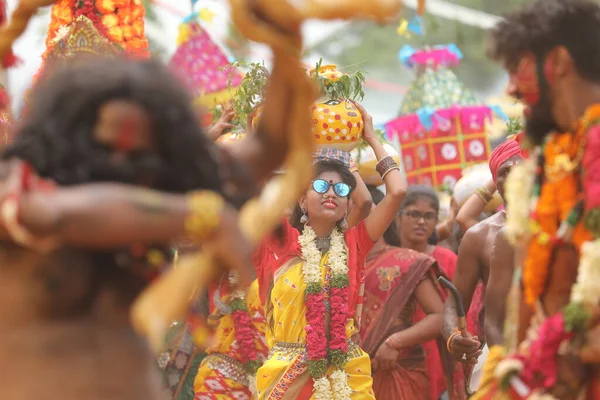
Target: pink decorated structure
442,125
204,66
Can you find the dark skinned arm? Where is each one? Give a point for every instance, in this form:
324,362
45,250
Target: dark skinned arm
499,281
473,207
108,216
466,277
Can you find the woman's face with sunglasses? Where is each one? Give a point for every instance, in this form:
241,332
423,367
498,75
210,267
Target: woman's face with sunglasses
326,198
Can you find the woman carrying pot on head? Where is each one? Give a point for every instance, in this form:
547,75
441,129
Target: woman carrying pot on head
310,281
398,283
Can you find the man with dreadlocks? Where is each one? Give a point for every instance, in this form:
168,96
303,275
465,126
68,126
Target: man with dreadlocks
110,121
551,49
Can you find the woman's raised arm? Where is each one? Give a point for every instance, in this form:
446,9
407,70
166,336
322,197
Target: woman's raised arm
395,187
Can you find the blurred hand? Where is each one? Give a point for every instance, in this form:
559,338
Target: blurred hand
223,123
385,358
369,135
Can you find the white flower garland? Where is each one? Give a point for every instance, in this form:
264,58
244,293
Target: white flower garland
338,389
519,182
587,288
234,280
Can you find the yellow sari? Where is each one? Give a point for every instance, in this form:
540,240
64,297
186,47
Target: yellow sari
284,374
221,375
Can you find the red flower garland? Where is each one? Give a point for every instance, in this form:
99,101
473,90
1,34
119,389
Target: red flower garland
540,368
316,340
244,335
339,316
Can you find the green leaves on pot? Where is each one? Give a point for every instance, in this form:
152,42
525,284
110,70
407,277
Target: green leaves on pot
248,95
346,87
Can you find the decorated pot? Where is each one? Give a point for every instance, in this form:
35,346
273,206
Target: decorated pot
367,162
337,125
329,72
473,178
227,138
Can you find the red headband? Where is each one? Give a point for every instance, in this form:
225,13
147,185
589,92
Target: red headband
503,152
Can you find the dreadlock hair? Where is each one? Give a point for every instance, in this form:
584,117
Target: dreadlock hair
321,167
57,138
391,235
545,24
57,135
422,192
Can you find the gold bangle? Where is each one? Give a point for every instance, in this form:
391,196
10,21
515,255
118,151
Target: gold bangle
388,171
484,194
353,168
449,341
205,214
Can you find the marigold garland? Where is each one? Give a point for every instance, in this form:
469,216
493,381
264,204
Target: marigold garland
121,21
555,198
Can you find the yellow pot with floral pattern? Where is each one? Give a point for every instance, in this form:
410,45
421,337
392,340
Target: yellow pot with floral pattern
365,158
337,125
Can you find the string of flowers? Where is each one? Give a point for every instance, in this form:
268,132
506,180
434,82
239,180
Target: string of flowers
120,21
320,353
244,333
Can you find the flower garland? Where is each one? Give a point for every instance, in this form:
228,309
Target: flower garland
121,21
244,333
320,353
519,181
555,197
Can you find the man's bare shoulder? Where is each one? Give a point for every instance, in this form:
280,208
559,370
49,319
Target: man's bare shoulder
495,222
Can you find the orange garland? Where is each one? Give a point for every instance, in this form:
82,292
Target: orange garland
122,19
559,194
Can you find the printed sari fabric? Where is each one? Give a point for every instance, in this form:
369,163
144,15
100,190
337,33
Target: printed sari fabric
221,376
390,306
284,375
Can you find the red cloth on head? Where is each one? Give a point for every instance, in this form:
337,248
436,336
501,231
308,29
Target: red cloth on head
503,152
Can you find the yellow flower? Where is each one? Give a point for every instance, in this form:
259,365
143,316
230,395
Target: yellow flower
127,32
110,21
105,6
116,34
138,28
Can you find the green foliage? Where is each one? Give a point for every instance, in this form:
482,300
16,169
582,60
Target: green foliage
346,87
251,91
576,317
514,126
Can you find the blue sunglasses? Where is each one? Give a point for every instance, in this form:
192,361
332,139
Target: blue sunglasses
321,186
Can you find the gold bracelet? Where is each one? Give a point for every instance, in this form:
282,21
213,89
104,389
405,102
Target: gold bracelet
388,171
205,214
353,168
484,195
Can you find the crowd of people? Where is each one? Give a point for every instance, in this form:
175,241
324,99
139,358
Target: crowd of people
110,188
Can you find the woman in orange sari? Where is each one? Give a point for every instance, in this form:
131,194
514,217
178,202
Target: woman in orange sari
400,282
